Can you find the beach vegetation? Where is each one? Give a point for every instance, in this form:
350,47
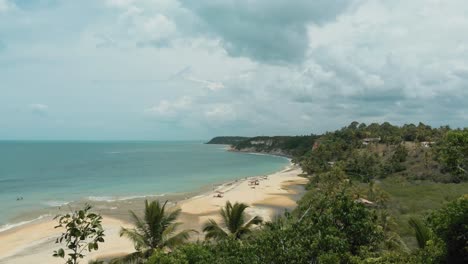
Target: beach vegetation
233,224
156,230
83,233
422,232
450,224
377,193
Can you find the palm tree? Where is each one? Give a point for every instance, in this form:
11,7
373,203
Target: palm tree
233,220
155,231
422,232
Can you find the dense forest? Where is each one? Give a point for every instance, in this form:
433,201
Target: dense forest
376,193
226,140
413,176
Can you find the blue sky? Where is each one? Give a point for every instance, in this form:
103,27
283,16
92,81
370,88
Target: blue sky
181,69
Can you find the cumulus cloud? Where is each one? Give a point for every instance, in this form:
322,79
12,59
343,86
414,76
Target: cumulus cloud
248,67
39,109
264,30
220,112
213,86
5,5
170,109
120,3
396,61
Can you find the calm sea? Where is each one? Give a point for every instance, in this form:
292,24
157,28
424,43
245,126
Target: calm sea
50,174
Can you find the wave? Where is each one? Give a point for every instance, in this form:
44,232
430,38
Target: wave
114,152
101,198
259,154
6,227
115,199
55,203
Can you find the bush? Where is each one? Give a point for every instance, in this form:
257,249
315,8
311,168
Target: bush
450,224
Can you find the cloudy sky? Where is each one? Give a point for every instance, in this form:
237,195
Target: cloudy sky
183,69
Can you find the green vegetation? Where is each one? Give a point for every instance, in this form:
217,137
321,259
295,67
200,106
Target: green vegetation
226,140
155,231
416,199
233,218
452,152
450,224
83,232
330,226
290,146
377,193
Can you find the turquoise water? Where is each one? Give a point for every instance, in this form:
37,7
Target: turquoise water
50,174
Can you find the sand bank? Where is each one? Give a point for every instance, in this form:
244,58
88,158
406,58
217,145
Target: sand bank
35,242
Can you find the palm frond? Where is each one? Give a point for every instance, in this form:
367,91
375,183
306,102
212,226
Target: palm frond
233,219
247,228
179,238
422,232
256,220
141,227
237,216
225,213
170,229
213,230
138,239
170,218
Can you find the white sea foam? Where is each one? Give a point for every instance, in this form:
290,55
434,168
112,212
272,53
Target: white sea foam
101,198
124,198
114,152
6,227
258,154
55,203
139,196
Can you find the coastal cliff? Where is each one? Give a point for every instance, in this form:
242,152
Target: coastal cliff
287,146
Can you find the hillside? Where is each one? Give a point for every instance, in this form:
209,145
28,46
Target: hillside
226,140
402,174
289,146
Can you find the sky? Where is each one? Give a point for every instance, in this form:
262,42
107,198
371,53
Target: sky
183,69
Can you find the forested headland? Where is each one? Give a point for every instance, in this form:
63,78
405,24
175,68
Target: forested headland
405,176
376,193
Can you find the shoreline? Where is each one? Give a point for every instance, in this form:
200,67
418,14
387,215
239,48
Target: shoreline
106,204
272,196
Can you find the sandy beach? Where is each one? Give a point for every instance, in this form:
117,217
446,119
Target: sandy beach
35,242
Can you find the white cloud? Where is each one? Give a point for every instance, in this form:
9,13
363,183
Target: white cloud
221,112
40,109
6,5
211,85
379,60
159,25
306,117
120,3
170,109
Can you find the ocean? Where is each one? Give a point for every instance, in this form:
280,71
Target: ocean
40,174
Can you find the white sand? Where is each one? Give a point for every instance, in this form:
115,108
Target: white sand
35,242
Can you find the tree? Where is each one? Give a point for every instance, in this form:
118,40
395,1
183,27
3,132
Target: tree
233,219
364,166
450,224
190,253
83,232
453,154
400,154
157,230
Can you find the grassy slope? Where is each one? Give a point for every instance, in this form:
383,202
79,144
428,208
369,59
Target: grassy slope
411,196
417,199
